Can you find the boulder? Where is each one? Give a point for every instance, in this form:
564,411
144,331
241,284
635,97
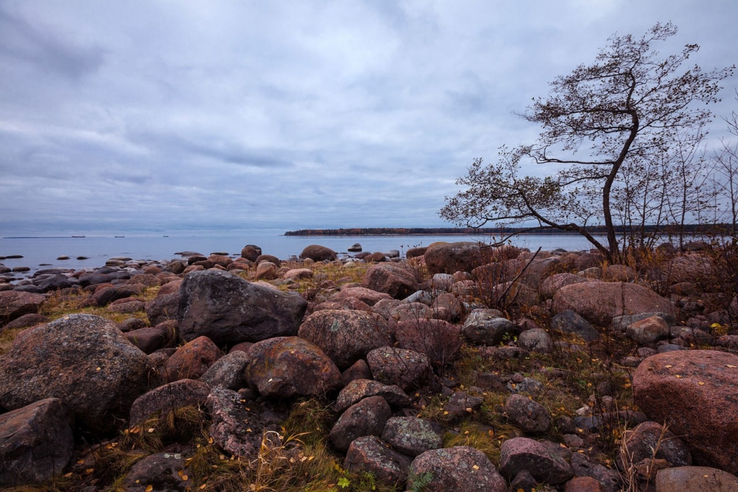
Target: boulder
438,339
36,442
392,278
648,330
14,304
298,274
598,302
542,459
250,252
316,252
161,472
266,270
228,371
695,479
81,359
191,360
444,257
487,327
229,310
345,335
26,321
358,370
460,468
551,285
163,307
395,366
235,427
368,454
526,414
411,435
650,440
535,340
569,322
695,392
168,398
359,389
283,367
368,296
365,418
150,339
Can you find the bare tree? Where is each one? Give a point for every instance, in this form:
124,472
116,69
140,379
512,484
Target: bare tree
726,169
603,120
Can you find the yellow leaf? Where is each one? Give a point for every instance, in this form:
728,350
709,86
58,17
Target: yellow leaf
668,366
678,376
701,383
89,470
149,488
475,467
731,366
151,429
185,477
202,486
68,475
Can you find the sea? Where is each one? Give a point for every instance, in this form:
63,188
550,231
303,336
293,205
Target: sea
90,252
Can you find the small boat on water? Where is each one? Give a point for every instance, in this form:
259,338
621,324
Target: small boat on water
119,236
78,237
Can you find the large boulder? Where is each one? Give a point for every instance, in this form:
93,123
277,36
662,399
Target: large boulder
694,391
316,252
168,398
443,257
411,435
407,369
82,359
365,418
345,335
359,389
370,454
438,339
542,459
598,302
392,278
14,304
368,296
487,327
36,442
229,310
283,367
250,252
192,359
460,468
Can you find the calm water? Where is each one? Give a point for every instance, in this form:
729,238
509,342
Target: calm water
43,252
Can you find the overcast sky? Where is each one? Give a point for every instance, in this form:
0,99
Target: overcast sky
219,116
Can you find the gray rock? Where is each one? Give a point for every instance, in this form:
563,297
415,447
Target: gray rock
405,368
228,371
168,398
570,322
542,459
370,454
229,310
529,415
460,468
487,327
359,389
536,340
411,435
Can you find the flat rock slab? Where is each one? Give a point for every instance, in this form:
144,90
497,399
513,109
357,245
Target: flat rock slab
696,392
695,479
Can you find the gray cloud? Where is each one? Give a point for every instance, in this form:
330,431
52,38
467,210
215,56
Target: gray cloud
227,115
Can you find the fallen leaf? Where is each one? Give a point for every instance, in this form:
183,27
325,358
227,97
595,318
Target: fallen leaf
149,488
678,376
701,383
475,467
668,366
731,366
185,477
68,475
89,470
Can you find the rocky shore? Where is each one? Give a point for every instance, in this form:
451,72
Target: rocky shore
458,367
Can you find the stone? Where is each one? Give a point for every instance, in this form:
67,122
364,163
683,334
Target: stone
345,335
358,370
368,296
163,307
608,479
368,454
569,322
26,321
695,392
411,435
160,471
229,310
552,284
266,270
461,405
405,368
251,252
14,304
535,340
36,442
166,399
235,427
151,339
598,302
441,257
410,311
365,418
359,389
641,442
391,278
583,484
542,459
284,367
528,415
228,371
648,330
438,339
460,468
191,360
298,274
487,327
695,479
105,296
316,252
82,359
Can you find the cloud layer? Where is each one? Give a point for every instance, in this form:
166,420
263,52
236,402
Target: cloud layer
173,116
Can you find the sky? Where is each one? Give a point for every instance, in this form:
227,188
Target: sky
221,116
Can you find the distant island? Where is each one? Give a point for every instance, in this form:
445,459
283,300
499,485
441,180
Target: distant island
717,229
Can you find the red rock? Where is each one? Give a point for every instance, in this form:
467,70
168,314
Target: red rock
695,479
392,278
192,359
460,468
370,454
598,302
365,418
438,339
168,398
359,389
14,304
368,296
695,392
583,484
396,366
283,367
541,459
318,253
